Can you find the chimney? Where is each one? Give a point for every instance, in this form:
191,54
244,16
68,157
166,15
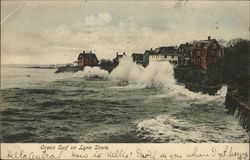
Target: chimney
90,52
186,42
209,38
117,53
151,49
124,53
83,52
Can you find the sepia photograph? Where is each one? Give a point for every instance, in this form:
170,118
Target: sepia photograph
92,71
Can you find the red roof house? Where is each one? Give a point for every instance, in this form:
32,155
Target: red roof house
87,59
205,53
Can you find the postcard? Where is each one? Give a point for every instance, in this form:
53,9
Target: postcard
135,79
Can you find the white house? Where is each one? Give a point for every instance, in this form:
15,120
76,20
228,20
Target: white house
165,54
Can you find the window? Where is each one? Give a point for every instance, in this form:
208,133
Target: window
172,57
198,53
214,46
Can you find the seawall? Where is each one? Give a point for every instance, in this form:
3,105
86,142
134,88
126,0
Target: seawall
238,101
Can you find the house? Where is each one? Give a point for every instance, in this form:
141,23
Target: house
205,53
137,57
165,54
118,58
185,52
140,58
146,55
87,59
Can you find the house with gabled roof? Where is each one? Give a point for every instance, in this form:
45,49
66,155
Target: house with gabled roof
165,54
137,57
140,58
185,52
87,59
206,53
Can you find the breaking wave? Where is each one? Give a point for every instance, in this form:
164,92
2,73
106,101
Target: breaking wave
158,75
168,129
165,128
92,72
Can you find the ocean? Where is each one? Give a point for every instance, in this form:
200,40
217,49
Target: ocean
132,104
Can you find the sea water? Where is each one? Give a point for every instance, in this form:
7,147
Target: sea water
132,104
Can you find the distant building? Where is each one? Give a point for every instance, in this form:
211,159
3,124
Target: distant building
140,58
137,57
118,58
146,55
87,59
185,52
206,53
165,54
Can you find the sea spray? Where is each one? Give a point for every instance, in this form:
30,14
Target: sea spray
164,128
158,75
92,72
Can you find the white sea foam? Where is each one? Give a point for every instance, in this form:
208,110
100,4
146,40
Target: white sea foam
159,75
164,128
92,72
155,75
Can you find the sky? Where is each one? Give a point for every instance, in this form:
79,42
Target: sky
55,32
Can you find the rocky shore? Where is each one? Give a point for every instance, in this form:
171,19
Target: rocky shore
68,68
206,89
198,80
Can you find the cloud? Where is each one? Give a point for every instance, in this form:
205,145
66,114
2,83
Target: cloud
61,36
99,20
